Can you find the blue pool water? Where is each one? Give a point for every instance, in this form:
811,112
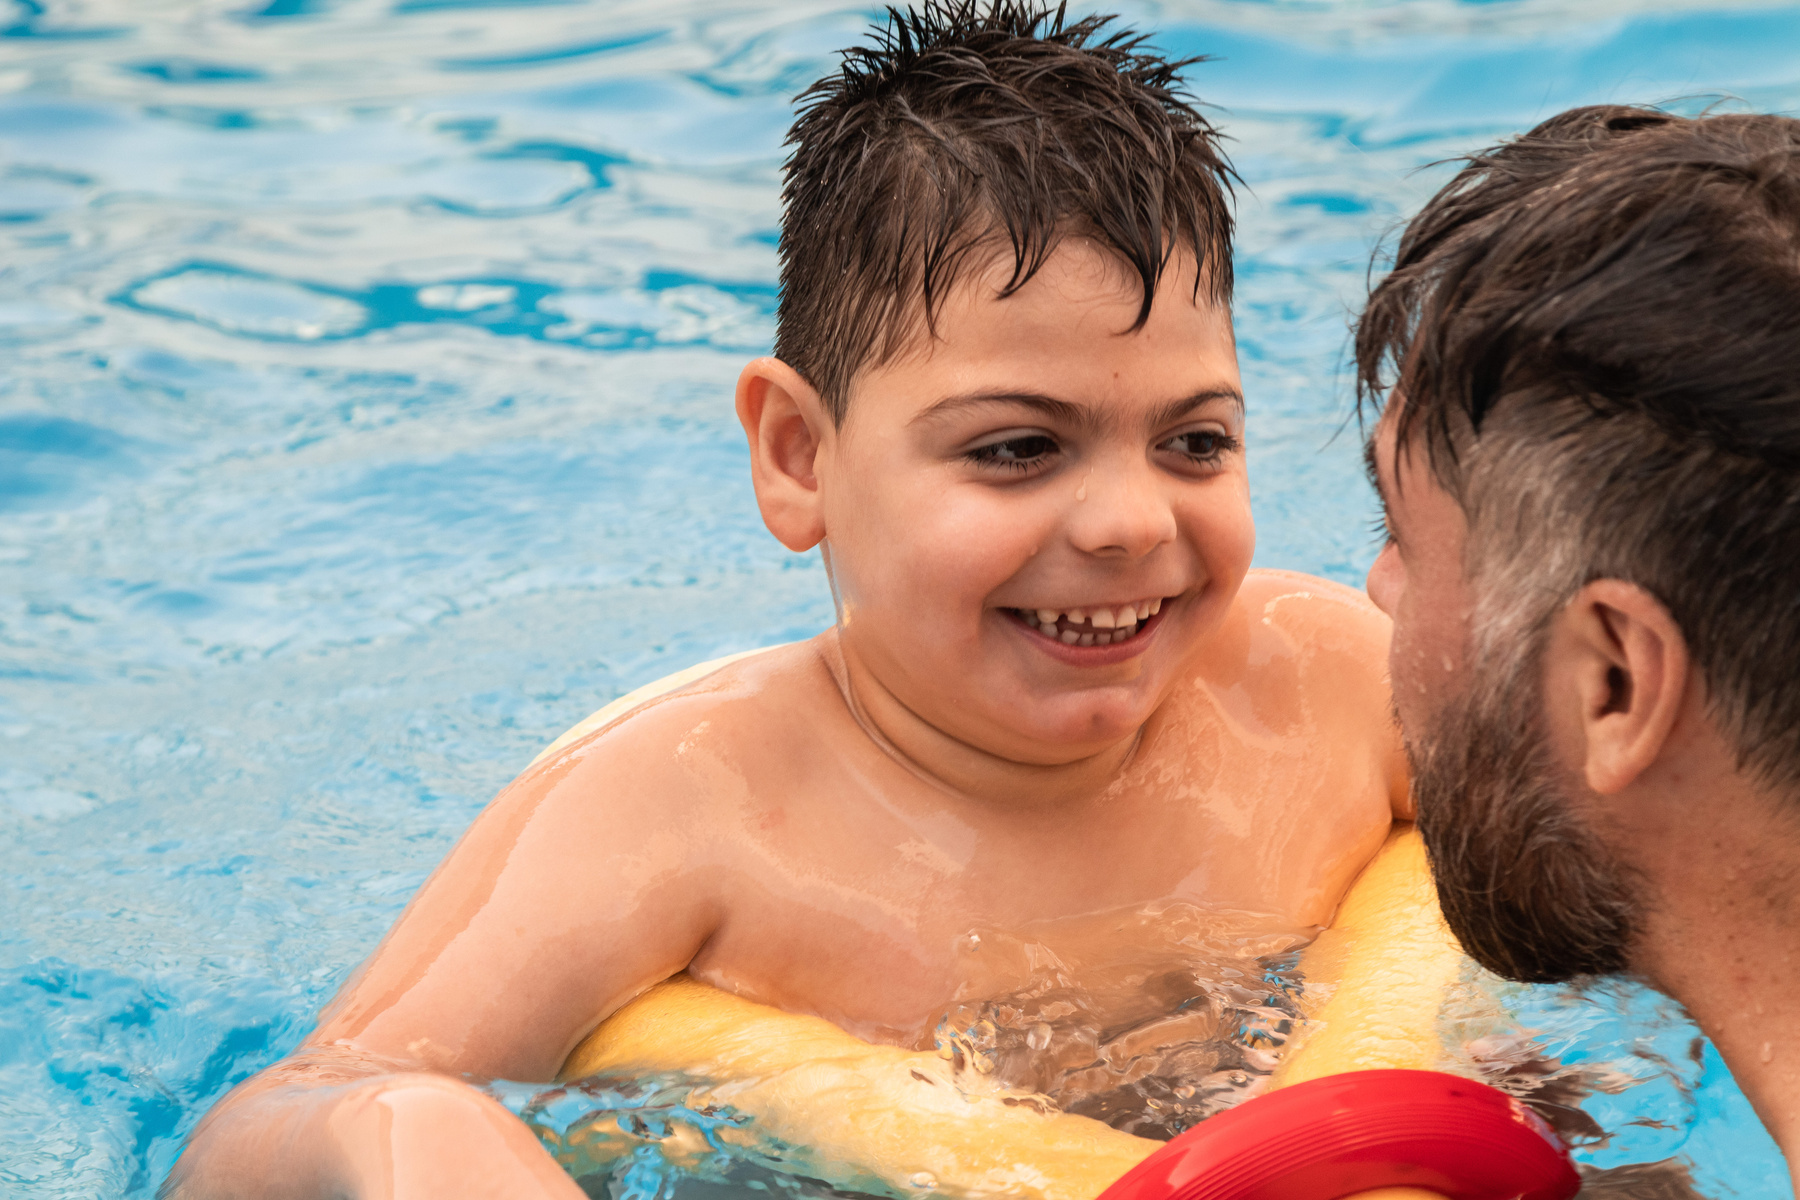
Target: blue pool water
364,421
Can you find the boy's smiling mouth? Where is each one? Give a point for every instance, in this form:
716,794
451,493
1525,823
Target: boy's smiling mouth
1093,626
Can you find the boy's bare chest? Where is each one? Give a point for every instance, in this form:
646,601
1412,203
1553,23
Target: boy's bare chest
877,914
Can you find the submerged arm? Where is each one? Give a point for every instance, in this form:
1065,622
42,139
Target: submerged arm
554,909
374,1135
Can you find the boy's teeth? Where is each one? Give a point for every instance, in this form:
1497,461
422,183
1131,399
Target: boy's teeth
1106,625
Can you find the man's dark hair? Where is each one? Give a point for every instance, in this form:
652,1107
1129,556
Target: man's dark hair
966,129
1594,333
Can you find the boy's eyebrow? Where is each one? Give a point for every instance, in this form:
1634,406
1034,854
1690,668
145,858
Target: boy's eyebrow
1176,409
1050,406
1076,414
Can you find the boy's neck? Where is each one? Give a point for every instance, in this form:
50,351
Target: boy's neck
959,768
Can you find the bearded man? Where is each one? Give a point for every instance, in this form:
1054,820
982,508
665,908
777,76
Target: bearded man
1589,459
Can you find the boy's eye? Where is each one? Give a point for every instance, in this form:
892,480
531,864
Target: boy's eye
1015,453
1202,445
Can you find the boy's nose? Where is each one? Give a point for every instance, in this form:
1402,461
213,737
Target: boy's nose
1121,514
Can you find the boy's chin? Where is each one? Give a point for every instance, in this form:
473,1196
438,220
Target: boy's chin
1015,701
1052,729
1029,721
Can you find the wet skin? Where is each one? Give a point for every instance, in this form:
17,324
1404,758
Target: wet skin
1712,851
818,827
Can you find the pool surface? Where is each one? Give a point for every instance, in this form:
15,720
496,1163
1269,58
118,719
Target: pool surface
365,374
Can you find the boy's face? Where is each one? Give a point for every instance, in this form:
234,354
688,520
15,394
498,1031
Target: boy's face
1032,520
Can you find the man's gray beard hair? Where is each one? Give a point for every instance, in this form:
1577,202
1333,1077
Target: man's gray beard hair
1525,887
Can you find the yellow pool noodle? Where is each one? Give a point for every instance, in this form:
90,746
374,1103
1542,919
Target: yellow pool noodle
1391,962
867,1114
863,1112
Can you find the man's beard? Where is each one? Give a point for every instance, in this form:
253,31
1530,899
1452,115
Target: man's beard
1526,888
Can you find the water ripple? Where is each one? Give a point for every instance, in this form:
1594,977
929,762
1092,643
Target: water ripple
365,419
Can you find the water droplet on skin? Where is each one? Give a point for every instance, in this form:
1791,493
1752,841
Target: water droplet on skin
1081,492
924,1180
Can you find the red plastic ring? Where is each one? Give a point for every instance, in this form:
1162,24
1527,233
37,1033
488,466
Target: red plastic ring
1330,1138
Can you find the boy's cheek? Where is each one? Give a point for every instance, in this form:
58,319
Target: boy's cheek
950,541
1221,530
923,579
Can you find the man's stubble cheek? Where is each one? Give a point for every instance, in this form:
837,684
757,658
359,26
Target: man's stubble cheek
1431,631
1528,890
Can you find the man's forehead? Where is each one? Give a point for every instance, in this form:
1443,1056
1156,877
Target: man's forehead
1379,452
1396,467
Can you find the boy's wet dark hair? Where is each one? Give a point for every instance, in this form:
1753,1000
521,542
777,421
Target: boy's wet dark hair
968,130
1595,333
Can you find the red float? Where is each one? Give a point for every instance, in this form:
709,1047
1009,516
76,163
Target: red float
1334,1137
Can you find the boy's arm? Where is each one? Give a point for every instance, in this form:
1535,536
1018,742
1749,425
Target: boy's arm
380,1136
572,892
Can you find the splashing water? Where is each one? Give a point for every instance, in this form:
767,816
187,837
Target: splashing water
1176,1013
1151,1021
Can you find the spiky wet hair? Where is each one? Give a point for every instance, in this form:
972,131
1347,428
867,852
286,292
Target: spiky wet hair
967,130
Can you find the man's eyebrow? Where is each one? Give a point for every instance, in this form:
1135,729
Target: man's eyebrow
1076,414
1372,468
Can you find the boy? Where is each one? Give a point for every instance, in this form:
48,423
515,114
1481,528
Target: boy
1005,402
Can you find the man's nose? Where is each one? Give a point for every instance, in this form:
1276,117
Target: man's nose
1387,578
1120,513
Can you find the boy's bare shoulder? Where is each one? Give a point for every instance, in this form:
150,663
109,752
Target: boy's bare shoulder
1310,655
662,742
1337,617
1315,645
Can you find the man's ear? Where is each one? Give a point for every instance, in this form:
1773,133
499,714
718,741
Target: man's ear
1616,675
786,423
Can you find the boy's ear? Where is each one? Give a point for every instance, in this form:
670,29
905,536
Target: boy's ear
785,420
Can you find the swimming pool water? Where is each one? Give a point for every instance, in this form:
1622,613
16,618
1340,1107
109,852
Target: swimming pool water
364,421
